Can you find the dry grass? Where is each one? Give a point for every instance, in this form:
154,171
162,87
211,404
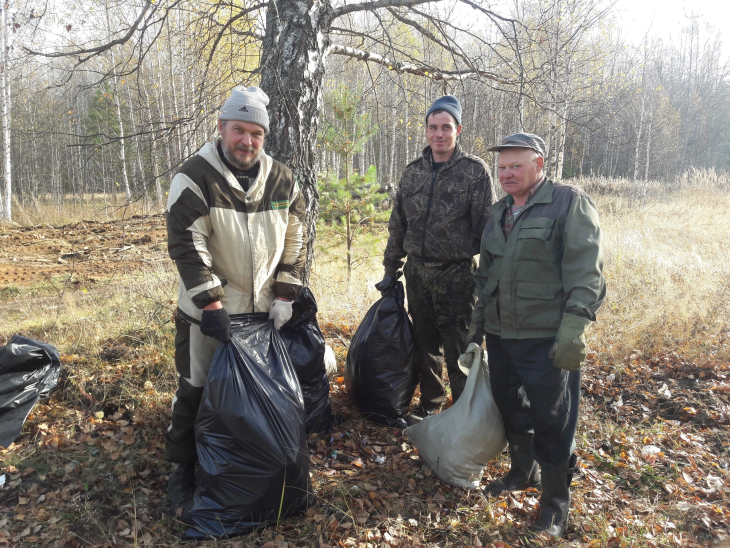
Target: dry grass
48,211
667,266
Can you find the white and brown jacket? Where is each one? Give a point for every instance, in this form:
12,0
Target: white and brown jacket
242,248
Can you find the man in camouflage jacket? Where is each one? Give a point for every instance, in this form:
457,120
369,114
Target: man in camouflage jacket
235,229
437,220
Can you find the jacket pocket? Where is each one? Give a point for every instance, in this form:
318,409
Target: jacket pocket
490,297
535,240
415,201
453,203
538,305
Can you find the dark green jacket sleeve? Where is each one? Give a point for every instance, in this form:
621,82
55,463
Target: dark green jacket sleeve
582,264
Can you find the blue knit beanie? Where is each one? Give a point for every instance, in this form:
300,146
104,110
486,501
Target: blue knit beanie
450,104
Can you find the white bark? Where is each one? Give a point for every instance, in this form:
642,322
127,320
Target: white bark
7,212
122,151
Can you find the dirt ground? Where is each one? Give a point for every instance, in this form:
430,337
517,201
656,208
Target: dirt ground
88,250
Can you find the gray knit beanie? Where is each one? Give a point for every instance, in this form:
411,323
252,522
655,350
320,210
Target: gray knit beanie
450,104
247,105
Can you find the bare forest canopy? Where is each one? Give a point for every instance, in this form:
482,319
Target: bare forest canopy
107,98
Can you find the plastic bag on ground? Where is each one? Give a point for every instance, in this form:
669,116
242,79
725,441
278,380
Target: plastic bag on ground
305,343
29,371
381,368
250,435
458,443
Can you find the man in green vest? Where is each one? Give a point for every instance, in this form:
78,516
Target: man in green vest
539,284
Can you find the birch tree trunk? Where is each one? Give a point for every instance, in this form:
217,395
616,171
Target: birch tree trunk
292,60
153,155
122,150
7,211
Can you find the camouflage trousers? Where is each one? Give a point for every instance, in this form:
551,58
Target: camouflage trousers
440,301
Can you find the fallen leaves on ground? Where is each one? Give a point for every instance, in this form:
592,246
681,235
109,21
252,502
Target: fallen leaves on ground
652,440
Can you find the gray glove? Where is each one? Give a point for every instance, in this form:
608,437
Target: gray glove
280,312
216,324
569,350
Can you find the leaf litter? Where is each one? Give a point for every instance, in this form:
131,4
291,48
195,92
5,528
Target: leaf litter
653,449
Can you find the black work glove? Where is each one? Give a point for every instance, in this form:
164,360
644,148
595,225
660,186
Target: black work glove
388,282
216,324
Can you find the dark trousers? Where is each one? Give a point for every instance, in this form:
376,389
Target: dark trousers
193,357
440,301
534,396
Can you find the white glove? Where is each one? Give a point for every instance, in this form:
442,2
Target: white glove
280,312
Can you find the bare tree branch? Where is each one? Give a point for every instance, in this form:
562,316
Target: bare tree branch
369,6
411,68
104,47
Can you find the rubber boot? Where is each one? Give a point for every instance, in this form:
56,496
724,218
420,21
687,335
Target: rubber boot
181,488
524,471
555,499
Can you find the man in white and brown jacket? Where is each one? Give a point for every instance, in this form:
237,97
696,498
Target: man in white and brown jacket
235,229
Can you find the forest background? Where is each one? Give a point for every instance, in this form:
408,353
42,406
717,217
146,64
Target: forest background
102,101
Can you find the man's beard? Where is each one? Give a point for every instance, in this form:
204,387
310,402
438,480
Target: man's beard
243,166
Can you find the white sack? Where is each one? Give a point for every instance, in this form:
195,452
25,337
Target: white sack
458,443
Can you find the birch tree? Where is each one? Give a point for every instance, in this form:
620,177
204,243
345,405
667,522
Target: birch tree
6,203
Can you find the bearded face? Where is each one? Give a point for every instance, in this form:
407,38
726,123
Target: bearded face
242,142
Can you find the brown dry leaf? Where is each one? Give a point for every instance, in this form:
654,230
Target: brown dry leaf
270,544
24,533
358,462
347,525
23,500
123,478
333,524
115,455
362,516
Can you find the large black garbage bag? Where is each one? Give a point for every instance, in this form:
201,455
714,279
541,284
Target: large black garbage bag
305,343
381,369
250,435
29,371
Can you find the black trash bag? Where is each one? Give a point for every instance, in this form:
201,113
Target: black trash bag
250,435
29,371
381,371
305,343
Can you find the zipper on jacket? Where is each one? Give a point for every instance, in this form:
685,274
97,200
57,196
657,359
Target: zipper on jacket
428,213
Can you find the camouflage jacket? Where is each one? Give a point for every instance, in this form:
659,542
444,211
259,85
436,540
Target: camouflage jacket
439,216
